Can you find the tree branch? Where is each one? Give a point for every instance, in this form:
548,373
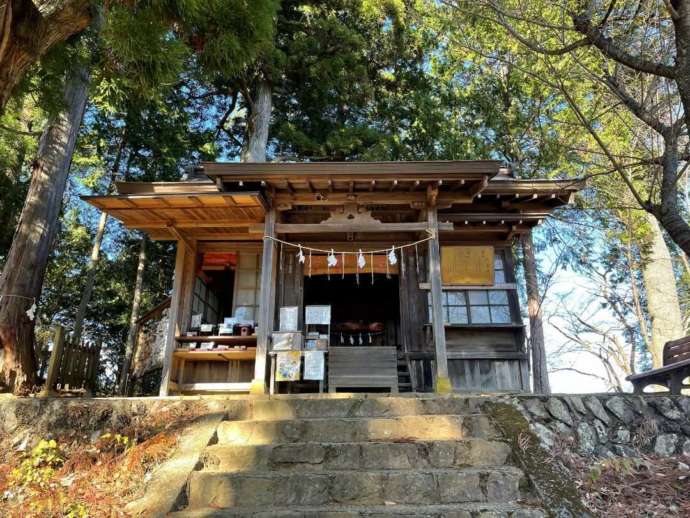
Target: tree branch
596,36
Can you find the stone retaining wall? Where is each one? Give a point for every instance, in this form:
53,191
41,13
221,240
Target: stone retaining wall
598,425
605,425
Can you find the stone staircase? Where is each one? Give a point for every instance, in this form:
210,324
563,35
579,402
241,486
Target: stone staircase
358,456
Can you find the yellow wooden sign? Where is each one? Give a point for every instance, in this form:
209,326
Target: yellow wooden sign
467,265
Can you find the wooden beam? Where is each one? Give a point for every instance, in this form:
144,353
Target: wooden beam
181,237
479,187
442,380
370,198
220,223
266,304
324,228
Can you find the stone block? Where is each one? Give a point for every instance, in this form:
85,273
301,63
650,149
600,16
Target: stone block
602,431
442,454
623,450
686,448
459,487
684,404
309,453
587,438
619,408
410,488
390,456
666,408
535,407
357,488
502,486
545,435
302,489
481,453
576,404
622,436
595,406
559,410
457,514
342,456
665,444
528,513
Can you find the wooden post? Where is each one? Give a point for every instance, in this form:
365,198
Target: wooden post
173,316
443,385
266,304
54,362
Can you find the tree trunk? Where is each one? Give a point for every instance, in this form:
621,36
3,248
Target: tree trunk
540,373
261,104
22,276
29,29
96,250
133,318
90,279
662,294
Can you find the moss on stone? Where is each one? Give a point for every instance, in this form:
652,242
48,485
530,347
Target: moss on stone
551,481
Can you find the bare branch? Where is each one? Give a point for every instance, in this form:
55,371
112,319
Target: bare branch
596,36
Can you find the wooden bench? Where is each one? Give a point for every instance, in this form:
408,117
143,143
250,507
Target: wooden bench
676,368
362,367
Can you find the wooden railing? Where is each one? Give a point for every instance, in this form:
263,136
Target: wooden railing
72,366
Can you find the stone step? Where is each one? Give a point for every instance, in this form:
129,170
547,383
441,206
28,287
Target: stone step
355,405
391,429
307,457
363,487
426,511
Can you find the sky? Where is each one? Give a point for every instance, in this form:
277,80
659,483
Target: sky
571,293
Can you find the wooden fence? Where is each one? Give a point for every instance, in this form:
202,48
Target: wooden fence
72,366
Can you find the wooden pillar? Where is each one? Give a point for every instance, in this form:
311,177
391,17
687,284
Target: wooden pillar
54,361
266,304
443,385
173,315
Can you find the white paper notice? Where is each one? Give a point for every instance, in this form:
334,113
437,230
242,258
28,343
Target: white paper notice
313,365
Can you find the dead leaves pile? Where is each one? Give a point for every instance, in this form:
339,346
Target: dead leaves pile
99,473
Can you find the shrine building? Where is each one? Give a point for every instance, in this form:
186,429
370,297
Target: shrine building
342,276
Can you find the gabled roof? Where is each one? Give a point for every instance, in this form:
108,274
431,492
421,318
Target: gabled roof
228,201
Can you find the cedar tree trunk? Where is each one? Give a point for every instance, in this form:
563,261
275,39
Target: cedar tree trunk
29,29
133,318
540,373
256,141
22,276
662,294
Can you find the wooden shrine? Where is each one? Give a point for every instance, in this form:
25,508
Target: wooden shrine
413,258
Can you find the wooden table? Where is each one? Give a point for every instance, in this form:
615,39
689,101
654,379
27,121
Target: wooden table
183,355
272,356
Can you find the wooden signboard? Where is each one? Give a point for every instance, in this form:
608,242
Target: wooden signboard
467,265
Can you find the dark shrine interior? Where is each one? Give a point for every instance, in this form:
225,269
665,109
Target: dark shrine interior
363,313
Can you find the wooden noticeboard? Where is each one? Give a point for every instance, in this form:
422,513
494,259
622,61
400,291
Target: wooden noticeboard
467,265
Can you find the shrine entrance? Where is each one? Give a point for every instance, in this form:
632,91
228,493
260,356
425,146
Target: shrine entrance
365,311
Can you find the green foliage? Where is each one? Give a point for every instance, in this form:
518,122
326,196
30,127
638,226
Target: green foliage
39,465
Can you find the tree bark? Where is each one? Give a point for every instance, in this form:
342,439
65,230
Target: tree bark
29,29
662,293
22,276
540,374
256,140
133,318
